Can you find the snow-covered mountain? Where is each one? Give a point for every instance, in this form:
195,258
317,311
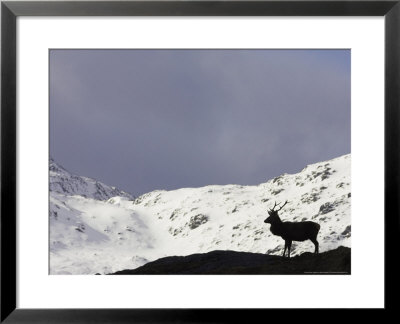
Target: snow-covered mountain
91,234
63,182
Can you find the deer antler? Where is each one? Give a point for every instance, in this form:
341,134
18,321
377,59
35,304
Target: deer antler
282,205
273,207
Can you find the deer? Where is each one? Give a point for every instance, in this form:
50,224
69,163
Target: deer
292,231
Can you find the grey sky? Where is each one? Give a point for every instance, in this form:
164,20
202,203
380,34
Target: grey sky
164,119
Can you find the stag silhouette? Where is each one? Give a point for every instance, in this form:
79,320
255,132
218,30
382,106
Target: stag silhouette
292,231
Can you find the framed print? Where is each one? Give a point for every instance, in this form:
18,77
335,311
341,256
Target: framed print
188,156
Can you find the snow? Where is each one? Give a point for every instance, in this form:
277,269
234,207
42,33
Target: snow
61,181
94,232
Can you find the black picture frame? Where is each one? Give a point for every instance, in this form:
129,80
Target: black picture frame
10,10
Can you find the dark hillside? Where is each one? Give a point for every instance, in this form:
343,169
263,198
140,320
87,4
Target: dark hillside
231,262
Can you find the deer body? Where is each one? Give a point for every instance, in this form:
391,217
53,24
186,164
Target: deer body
292,231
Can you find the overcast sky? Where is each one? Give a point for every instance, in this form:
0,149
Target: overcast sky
164,119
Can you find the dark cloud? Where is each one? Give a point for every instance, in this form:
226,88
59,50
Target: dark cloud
164,119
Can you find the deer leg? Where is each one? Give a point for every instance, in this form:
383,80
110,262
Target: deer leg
284,250
289,247
316,251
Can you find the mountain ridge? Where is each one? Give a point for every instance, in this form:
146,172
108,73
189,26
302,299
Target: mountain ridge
64,182
337,261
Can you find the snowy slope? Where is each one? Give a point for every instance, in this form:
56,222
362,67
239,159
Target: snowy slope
63,182
89,235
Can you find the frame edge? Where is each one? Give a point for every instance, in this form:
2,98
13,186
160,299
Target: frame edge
8,161
392,146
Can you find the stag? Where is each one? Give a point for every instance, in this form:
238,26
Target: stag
292,231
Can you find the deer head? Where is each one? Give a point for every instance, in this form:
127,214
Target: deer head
273,213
